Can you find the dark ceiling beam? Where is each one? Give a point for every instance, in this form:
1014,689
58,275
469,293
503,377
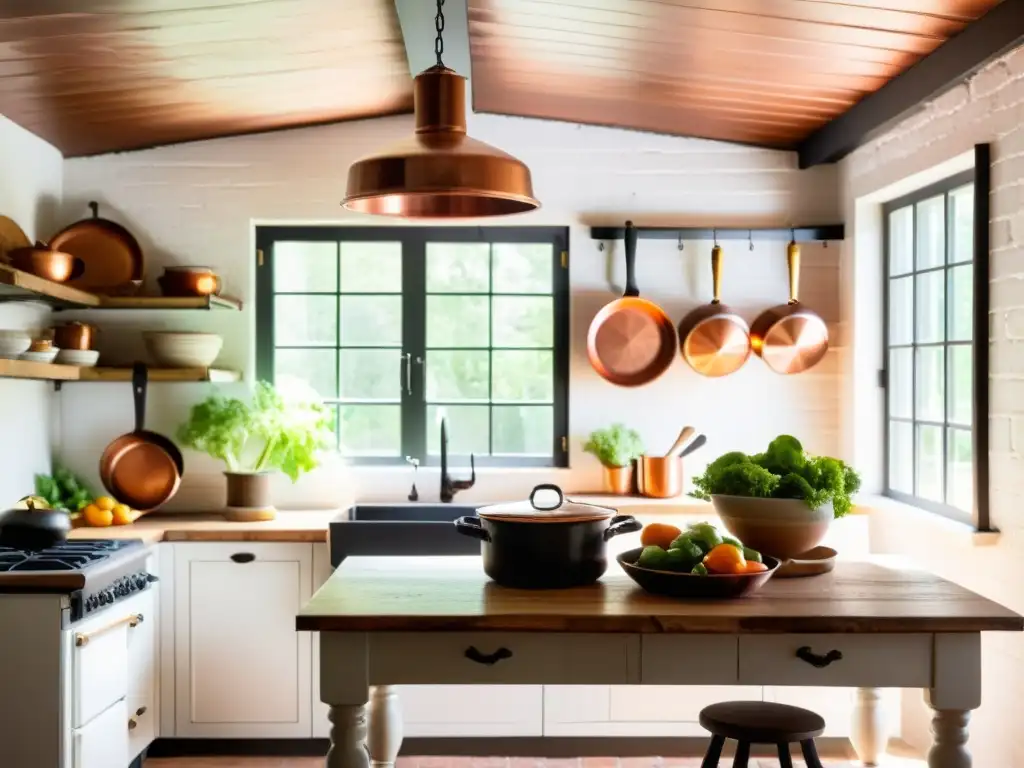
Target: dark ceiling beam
995,33
417,20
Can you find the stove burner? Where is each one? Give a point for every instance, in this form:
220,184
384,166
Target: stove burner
69,556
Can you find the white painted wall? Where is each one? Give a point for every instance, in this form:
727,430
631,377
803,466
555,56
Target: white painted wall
30,189
930,145
198,203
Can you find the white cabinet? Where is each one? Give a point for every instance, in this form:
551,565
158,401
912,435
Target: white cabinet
142,698
103,742
241,669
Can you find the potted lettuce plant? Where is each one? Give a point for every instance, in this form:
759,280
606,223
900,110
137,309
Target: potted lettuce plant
274,431
616,447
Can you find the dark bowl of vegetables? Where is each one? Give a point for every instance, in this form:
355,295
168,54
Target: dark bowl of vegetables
700,562
782,501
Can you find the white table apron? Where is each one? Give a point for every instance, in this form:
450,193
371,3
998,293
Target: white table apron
358,672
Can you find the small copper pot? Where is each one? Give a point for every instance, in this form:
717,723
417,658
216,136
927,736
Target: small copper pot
618,480
74,335
189,281
46,263
660,477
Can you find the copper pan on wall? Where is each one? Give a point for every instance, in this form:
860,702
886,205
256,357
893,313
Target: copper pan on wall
110,254
790,338
713,339
631,341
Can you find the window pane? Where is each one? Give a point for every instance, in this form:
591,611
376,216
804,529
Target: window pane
456,376
457,321
371,321
961,216
315,367
931,307
468,430
523,430
930,383
901,311
961,302
523,322
371,267
901,383
960,385
960,473
305,267
371,430
901,241
370,374
305,321
458,267
522,267
901,457
931,232
523,375
929,462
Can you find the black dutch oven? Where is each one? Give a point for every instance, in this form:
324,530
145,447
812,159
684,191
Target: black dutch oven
548,542
33,527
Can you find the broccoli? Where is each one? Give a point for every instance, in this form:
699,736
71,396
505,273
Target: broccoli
746,480
785,454
705,484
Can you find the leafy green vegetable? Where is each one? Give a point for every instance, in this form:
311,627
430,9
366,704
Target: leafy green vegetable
63,489
615,446
783,471
284,430
700,570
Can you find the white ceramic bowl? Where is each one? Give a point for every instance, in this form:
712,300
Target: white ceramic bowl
45,356
183,350
14,343
782,528
83,358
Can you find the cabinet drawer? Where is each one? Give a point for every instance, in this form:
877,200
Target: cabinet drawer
503,657
688,659
103,743
884,661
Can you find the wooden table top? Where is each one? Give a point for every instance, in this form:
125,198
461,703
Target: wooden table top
434,594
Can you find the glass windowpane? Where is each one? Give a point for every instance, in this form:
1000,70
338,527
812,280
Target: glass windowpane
371,430
458,376
929,457
931,232
371,267
523,376
929,384
458,267
523,430
930,303
901,383
458,321
522,268
521,321
961,386
305,267
960,471
314,367
468,430
370,374
901,241
961,303
371,321
901,457
901,311
961,219
305,321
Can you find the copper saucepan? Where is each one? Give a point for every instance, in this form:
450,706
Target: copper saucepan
661,477
713,339
631,341
141,468
790,338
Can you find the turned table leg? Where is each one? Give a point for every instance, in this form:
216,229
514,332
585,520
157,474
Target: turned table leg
870,733
955,691
385,733
949,739
348,737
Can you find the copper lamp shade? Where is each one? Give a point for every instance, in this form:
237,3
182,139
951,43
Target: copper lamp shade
440,172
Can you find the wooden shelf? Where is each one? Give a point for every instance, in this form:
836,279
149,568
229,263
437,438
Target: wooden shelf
169,302
23,369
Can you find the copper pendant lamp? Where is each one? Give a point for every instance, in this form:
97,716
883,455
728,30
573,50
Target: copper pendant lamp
440,172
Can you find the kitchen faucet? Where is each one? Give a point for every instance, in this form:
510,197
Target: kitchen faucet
449,487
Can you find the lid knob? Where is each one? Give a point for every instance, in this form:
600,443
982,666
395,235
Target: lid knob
546,497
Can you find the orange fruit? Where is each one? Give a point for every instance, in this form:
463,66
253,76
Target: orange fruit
659,535
96,517
755,567
105,502
725,558
122,514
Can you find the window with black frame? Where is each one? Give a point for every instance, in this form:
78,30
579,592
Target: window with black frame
929,346
399,327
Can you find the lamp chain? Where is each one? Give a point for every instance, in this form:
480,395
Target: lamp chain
439,25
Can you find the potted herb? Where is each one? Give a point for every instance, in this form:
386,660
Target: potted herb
274,432
616,447
780,502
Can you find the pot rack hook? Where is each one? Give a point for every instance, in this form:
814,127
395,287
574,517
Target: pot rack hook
792,235
681,246
750,237
714,236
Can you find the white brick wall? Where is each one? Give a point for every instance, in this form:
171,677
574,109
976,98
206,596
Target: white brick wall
197,203
989,108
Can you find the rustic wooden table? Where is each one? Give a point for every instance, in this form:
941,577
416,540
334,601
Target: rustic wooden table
419,620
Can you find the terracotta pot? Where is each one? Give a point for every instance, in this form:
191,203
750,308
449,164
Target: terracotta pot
249,497
618,480
783,528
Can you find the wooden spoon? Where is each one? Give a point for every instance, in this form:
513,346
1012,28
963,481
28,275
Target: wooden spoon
684,436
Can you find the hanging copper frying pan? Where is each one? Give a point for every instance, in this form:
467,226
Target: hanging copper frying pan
110,254
790,338
631,341
141,468
713,339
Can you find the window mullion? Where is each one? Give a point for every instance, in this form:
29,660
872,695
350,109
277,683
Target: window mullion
414,342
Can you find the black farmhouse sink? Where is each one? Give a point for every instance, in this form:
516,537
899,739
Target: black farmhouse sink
401,529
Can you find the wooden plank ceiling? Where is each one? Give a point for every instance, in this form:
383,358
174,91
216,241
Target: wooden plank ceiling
94,76
765,72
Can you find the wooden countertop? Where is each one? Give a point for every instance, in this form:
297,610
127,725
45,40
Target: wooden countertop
413,594
308,526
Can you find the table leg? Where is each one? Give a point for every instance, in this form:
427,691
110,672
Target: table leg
949,739
955,691
348,737
870,732
385,735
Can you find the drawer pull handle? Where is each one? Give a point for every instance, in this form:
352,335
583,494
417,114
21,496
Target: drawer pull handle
806,654
82,638
243,557
132,723
490,659
140,711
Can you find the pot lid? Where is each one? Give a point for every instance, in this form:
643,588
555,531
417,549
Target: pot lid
547,504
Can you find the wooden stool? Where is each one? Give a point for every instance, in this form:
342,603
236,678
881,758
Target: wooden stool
760,722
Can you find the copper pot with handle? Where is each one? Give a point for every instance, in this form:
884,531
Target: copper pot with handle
661,477
790,338
74,335
713,339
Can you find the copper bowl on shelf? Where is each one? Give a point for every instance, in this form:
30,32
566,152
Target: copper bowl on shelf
74,335
189,281
44,262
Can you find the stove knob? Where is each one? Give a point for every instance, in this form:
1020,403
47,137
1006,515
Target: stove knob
106,596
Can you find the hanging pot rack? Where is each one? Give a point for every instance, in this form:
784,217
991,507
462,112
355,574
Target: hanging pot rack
821,233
